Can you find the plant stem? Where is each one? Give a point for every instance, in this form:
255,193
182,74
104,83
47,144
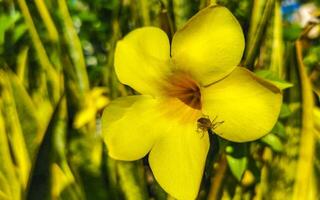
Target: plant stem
144,7
45,64
130,183
307,140
74,45
43,58
256,15
212,2
182,12
218,179
254,42
277,43
48,22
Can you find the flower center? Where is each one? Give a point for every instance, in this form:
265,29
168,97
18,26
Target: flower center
182,86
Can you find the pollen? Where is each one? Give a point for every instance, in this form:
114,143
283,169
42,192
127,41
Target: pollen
182,86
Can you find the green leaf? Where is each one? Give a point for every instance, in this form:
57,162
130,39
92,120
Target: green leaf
40,179
111,4
73,46
312,57
14,130
292,32
285,111
52,177
279,130
9,183
26,113
5,23
237,159
3,196
273,141
19,31
5,190
132,187
273,78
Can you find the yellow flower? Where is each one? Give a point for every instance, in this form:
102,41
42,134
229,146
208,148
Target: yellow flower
199,77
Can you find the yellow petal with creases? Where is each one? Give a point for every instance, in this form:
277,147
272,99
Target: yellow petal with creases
210,45
127,127
178,159
134,125
142,58
248,105
131,125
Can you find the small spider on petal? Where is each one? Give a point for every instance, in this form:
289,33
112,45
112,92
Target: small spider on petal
205,124
179,84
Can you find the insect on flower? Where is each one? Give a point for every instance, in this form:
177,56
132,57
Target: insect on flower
205,124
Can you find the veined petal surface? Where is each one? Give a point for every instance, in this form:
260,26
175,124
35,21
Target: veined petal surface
142,58
248,105
209,46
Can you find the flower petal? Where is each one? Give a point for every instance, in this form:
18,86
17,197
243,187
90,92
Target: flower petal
177,160
141,59
131,125
248,105
210,45
126,127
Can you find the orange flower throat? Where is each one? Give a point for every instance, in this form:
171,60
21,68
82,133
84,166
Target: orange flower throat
182,86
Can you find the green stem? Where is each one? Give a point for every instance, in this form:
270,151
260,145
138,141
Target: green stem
211,2
165,21
48,22
74,46
43,58
45,63
277,46
130,182
256,15
307,140
182,12
112,78
22,60
144,7
218,179
256,36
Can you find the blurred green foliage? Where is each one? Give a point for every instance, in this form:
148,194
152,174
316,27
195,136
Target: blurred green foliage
56,76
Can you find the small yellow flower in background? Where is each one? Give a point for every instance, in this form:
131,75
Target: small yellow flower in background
199,77
94,101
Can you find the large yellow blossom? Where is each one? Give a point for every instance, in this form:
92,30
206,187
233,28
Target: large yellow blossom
198,77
